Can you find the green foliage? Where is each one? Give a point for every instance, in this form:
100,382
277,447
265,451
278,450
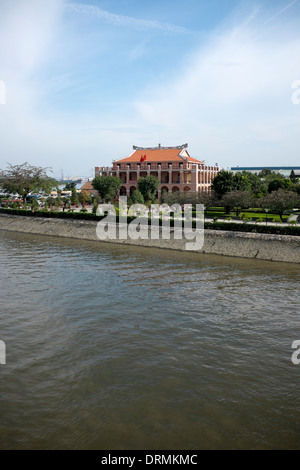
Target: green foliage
51,201
265,173
84,198
74,197
107,187
226,226
223,183
148,187
226,182
34,204
237,200
279,183
25,179
95,206
207,199
280,201
136,198
70,186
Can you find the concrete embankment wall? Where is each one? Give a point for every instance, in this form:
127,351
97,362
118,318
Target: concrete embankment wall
246,245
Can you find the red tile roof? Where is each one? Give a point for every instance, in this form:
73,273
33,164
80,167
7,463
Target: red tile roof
160,154
87,187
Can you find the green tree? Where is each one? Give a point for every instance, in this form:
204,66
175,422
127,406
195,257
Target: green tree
242,181
25,179
107,187
84,197
279,183
70,186
74,197
293,177
227,181
257,185
136,198
237,200
265,173
280,201
148,187
296,188
223,183
51,201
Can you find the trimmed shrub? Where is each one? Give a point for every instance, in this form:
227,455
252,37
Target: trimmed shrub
288,229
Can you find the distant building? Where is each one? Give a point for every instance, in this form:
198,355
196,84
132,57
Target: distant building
175,169
88,188
284,170
297,173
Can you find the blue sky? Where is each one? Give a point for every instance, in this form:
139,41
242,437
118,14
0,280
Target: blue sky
85,81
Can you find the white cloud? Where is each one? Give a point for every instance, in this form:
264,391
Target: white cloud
27,34
238,86
231,100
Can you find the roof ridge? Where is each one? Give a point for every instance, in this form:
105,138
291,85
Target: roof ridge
159,147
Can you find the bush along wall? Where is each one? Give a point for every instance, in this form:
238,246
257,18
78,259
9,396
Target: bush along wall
225,226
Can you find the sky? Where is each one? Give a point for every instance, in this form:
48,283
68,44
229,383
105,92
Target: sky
82,82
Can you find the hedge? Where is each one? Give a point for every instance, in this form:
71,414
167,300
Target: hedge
225,226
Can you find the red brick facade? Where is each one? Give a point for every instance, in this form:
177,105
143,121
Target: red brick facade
173,166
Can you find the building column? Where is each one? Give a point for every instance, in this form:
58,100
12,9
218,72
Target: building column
194,178
170,174
181,176
159,173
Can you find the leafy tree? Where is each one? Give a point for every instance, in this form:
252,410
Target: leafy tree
24,179
279,183
265,173
237,200
257,185
223,183
280,201
66,202
293,177
107,187
136,197
227,181
242,181
74,197
148,187
296,188
51,201
84,197
207,199
70,186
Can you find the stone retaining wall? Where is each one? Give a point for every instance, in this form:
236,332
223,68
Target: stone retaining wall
245,245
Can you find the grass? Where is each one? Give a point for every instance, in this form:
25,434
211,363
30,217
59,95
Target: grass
250,213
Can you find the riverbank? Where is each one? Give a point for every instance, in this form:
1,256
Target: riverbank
245,245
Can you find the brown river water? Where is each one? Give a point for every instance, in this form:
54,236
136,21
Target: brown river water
112,347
